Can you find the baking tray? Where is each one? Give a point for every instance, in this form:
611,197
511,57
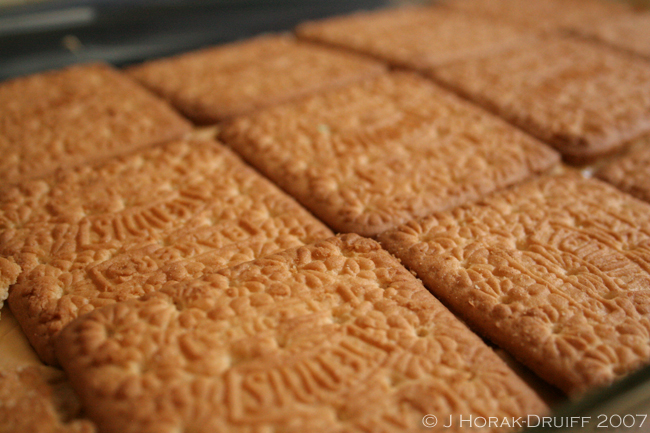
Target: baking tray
53,34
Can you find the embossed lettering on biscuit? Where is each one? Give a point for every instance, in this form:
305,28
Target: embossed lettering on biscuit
556,271
335,336
95,235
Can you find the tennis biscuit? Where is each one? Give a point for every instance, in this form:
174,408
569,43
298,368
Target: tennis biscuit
556,271
335,336
75,115
31,401
220,82
545,15
96,235
630,33
585,99
631,171
414,37
375,154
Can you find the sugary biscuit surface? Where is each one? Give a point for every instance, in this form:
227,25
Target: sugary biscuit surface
70,116
376,154
414,37
33,402
631,171
546,15
224,81
556,271
584,98
100,234
335,336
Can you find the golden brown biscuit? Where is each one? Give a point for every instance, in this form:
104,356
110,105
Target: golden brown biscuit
556,271
335,336
71,116
220,82
631,171
585,99
630,33
96,235
373,155
414,37
545,15
36,403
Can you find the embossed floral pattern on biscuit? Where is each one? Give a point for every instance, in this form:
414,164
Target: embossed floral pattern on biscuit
92,236
335,336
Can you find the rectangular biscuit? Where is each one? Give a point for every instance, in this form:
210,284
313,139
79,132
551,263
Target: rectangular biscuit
585,99
545,15
631,171
34,400
70,116
556,271
96,235
334,336
630,33
223,81
378,153
414,37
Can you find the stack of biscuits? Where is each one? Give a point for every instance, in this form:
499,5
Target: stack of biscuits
359,226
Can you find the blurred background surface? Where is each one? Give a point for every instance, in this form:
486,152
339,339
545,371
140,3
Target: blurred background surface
37,35
40,35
